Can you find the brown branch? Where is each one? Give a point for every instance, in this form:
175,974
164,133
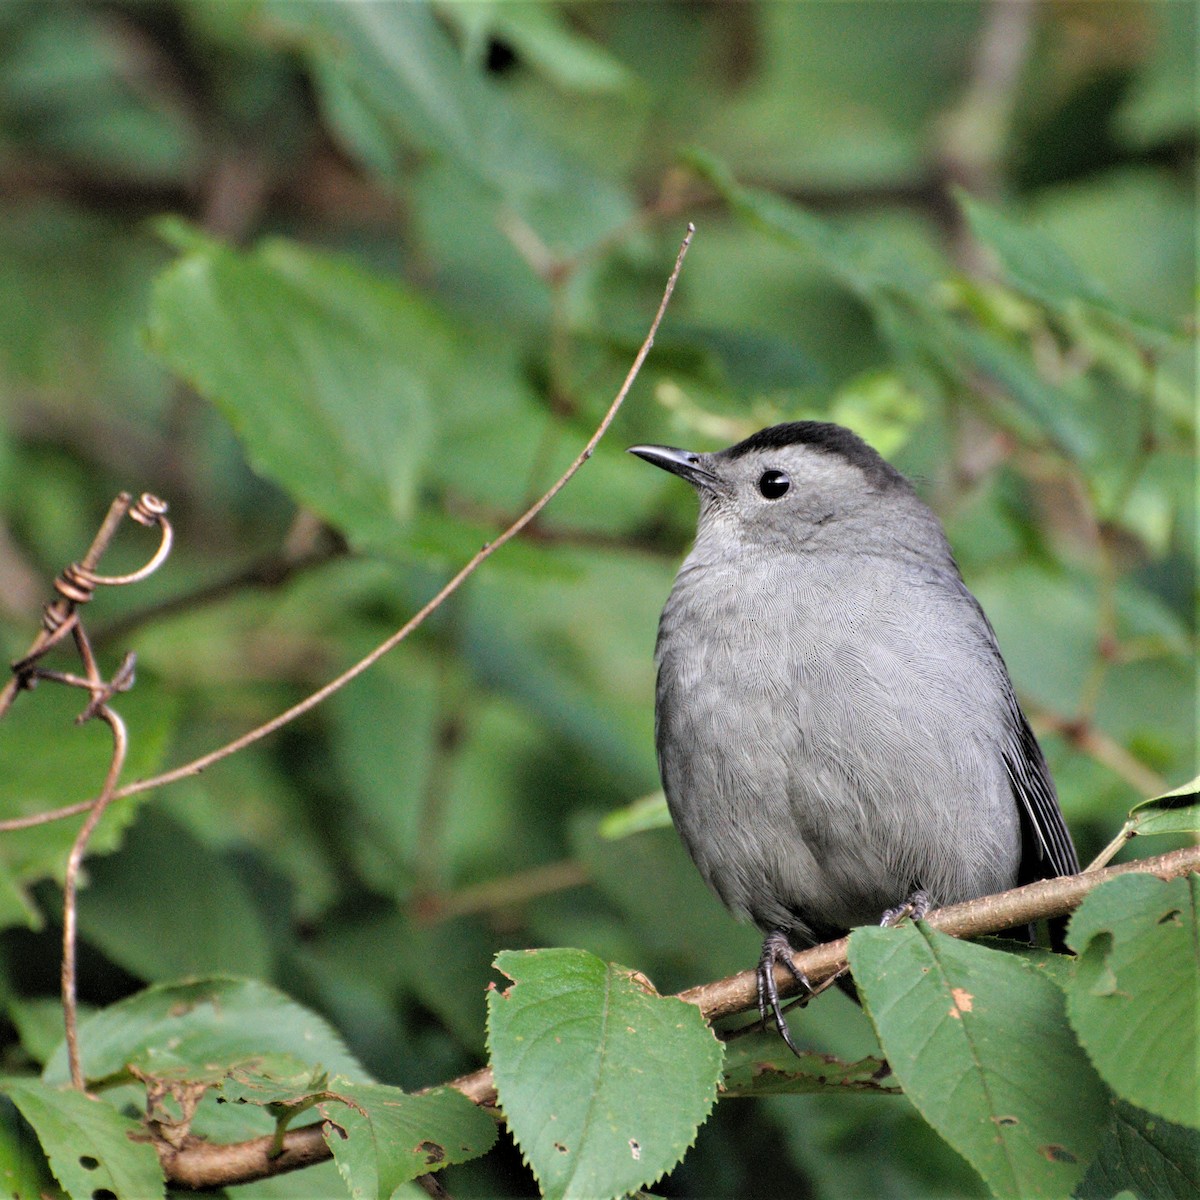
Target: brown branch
973,918
206,1165
200,1164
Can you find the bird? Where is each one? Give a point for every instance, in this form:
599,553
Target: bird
837,733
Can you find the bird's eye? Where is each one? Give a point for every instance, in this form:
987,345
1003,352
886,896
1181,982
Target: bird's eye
773,484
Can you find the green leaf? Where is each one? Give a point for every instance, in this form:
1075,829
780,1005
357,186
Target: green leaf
648,812
201,1023
24,1173
327,373
761,1065
392,1137
603,1082
1145,1156
396,76
1135,1000
1039,267
861,265
980,1042
1176,811
541,36
89,1144
165,877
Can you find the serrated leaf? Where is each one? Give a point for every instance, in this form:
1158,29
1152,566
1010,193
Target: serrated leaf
980,1043
327,373
1143,1156
1135,999
89,1144
392,1137
200,1024
761,1065
603,1082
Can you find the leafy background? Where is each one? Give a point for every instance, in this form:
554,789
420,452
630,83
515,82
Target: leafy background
347,284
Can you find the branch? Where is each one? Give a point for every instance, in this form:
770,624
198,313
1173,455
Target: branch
203,1165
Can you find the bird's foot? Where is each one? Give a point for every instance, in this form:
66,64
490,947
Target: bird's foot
777,949
916,906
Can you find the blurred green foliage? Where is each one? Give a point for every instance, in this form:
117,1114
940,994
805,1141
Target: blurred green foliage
348,284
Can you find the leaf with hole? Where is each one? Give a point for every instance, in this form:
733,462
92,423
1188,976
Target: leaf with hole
980,1043
392,1137
604,1083
1135,998
89,1144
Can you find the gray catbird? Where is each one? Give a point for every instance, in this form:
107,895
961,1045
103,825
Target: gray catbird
837,732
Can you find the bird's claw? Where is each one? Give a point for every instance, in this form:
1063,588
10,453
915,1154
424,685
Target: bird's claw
777,949
916,906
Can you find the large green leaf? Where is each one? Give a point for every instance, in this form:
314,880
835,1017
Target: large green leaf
1038,266
1135,999
215,923
392,77
328,374
980,1043
197,1024
392,1137
603,1082
89,1144
1145,1156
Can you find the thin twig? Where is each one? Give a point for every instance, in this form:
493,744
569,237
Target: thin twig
187,770
70,887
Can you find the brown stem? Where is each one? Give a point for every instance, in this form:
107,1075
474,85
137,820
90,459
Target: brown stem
70,887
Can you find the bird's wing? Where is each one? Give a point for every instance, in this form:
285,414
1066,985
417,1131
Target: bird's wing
1048,848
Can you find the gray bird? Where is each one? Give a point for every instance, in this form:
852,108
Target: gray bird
836,730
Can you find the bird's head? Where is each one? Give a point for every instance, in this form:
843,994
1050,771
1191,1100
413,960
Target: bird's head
802,483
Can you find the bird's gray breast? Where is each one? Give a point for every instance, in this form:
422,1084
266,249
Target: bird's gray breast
827,732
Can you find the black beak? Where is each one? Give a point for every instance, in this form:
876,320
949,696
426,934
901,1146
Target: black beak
684,463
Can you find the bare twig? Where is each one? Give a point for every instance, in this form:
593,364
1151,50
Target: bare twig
60,618
206,1165
197,765
70,887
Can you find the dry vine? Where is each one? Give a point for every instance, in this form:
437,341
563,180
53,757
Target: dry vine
60,618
